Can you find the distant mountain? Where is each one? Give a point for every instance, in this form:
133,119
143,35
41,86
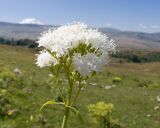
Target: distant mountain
22,31
129,39
124,39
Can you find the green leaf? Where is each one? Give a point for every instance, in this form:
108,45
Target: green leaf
50,103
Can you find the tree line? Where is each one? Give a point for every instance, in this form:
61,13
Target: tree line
19,42
138,57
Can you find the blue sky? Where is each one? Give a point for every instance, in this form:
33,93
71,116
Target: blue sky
137,15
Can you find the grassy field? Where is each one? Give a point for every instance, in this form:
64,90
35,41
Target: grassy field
134,98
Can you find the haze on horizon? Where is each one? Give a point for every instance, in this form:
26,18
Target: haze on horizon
133,15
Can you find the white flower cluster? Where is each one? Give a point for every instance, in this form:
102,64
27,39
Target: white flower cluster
59,40
89,63
45,59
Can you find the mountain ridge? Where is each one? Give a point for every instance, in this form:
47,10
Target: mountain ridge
124,39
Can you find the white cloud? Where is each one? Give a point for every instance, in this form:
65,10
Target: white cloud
30,21
155,26
143,26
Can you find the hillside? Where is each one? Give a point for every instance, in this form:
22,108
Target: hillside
124,39
138,40
134,98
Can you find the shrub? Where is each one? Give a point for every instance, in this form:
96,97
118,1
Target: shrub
116,80
101,111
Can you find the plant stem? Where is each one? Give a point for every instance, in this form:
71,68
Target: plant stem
67,109
65,118
69,99
79,89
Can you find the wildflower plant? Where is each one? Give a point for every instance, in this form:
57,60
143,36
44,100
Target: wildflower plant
101,111
76,51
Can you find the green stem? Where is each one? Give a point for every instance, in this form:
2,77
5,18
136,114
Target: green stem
65,118
69,98
78,92
67,109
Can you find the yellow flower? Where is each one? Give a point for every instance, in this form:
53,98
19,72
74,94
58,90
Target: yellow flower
100,109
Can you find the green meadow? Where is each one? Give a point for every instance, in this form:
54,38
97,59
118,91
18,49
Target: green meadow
22,94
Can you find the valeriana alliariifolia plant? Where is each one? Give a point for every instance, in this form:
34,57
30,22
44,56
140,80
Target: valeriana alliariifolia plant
76,51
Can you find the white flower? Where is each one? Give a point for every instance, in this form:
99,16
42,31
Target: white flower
45,59
68,36
60,40
89,63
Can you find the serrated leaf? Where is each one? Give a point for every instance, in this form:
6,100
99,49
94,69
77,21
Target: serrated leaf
50,103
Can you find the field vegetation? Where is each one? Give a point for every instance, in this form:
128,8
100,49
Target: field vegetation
133,89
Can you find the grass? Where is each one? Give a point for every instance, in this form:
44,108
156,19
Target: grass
133,101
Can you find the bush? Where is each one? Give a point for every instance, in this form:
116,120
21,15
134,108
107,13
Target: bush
101,111
116,80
